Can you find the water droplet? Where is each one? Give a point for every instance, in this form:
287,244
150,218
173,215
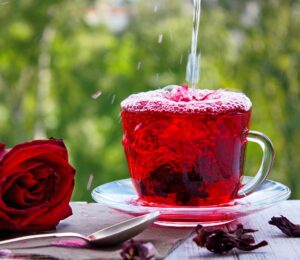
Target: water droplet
160,38
138,67
113,99
157,76
96,94
138,126
119,118
90,181
181,59
171,35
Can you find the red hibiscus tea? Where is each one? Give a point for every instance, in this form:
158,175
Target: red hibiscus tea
186,147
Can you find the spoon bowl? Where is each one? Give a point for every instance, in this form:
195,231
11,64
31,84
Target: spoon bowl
109,236
123,231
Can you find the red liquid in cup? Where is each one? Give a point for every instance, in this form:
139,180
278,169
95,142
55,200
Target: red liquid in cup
186,149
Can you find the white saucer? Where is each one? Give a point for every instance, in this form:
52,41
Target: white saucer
120,195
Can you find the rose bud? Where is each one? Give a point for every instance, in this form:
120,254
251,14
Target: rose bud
36,184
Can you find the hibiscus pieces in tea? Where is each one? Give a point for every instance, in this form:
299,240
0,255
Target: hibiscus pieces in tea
186,147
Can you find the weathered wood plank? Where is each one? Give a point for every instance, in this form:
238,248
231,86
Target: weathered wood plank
189,250
280,246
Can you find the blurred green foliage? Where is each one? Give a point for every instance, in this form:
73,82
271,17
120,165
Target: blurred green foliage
52,60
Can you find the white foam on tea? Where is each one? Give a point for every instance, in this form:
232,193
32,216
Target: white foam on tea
176,99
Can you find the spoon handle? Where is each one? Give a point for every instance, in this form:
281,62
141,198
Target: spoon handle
65,234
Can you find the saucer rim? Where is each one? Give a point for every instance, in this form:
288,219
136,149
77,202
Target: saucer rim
169,210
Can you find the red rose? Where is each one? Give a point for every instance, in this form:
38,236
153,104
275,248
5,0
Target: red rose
36,184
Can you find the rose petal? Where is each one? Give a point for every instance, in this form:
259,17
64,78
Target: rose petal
41,173
6,221
49,216
41,218
26,192
39,143
50,159
2,151
6,184
15,197
23,152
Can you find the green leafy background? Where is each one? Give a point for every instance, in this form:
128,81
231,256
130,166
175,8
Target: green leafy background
52,61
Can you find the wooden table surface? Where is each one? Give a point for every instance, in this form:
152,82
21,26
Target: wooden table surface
280,247
171,243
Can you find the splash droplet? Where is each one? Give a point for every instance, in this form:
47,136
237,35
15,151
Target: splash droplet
90,181
160,38
181,59
96,94
113,99
157,76
139,65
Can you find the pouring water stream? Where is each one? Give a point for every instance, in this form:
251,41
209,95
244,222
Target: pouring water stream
194,60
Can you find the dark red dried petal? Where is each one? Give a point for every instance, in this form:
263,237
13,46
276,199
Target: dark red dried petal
250,247
135,250
241,230
286,226
249,239
219,241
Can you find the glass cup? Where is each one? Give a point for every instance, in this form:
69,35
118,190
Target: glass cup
187,147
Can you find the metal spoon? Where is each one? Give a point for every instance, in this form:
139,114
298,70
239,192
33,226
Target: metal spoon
105,237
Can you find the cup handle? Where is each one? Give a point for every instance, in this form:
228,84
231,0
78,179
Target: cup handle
266,165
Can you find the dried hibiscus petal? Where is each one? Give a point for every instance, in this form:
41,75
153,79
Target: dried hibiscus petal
136,250
219,241
286,226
